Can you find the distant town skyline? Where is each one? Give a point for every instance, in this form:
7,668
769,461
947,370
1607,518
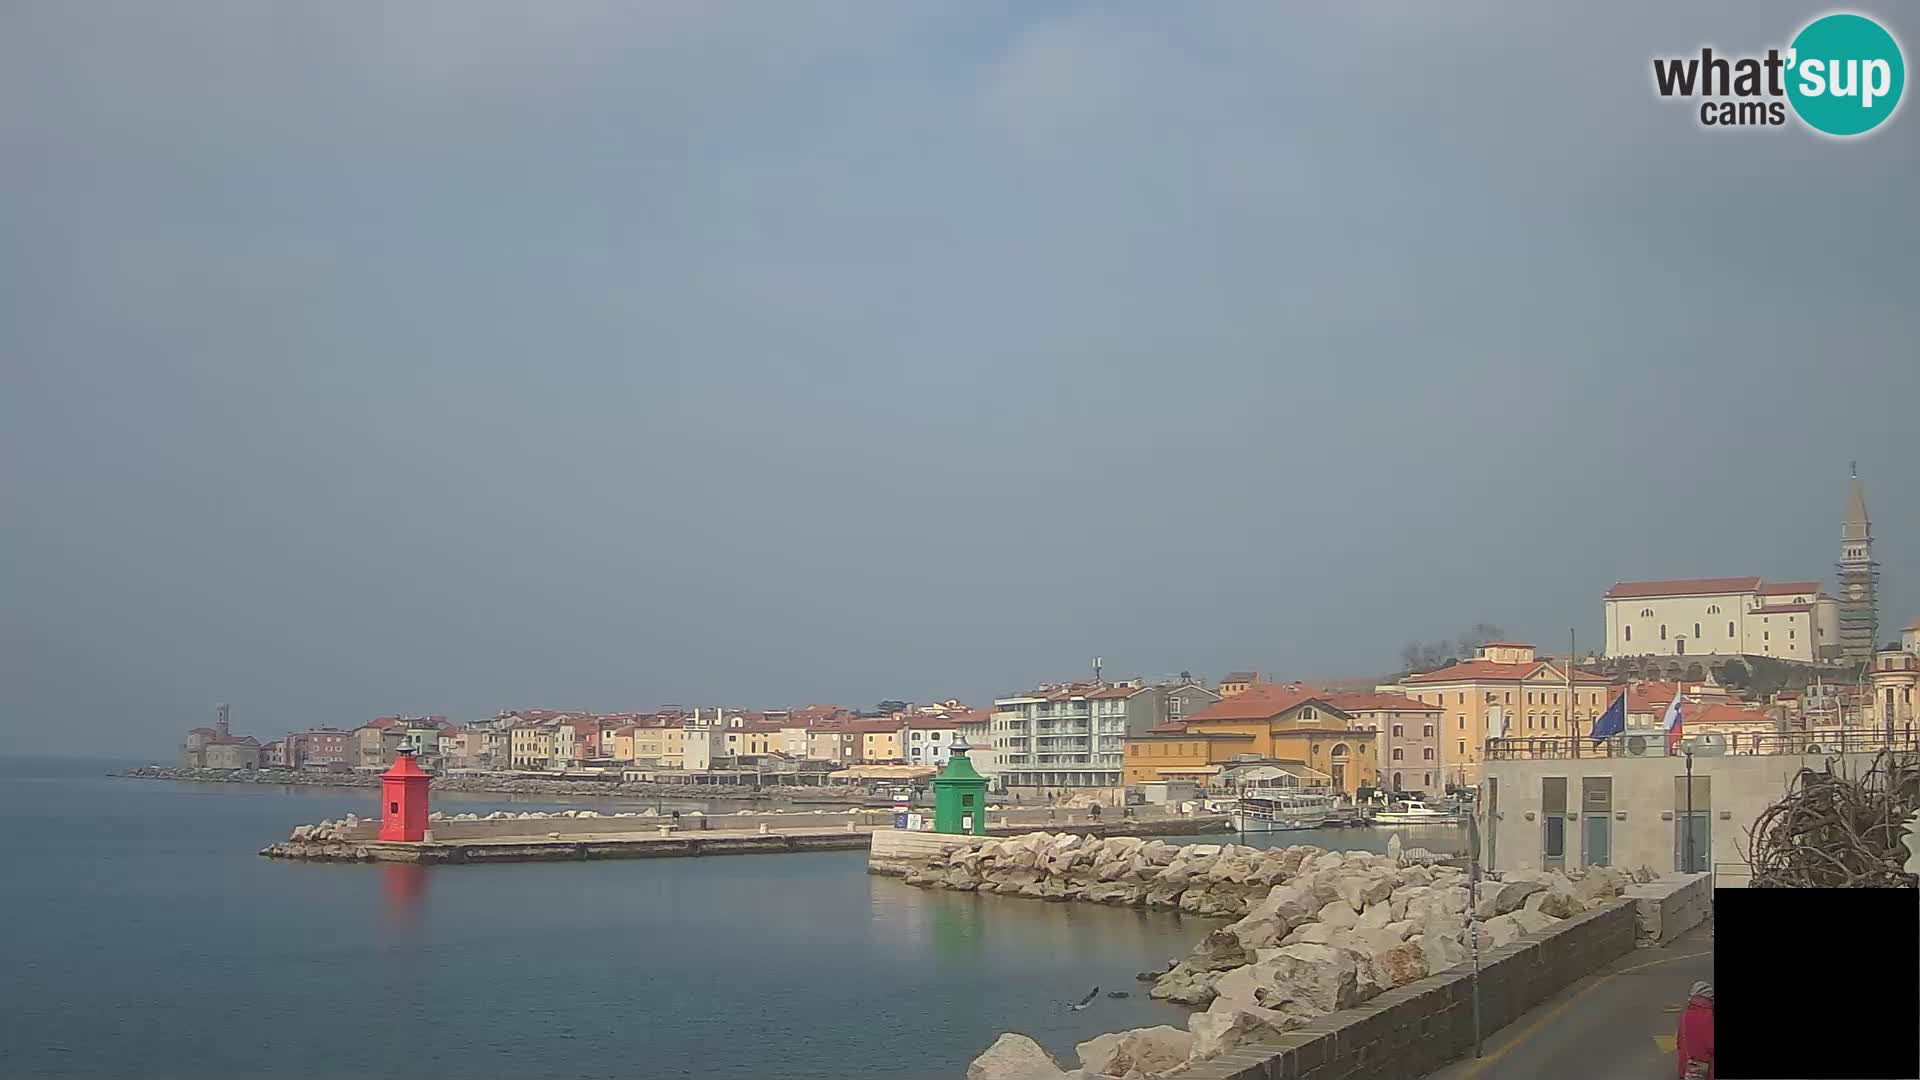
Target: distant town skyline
704,354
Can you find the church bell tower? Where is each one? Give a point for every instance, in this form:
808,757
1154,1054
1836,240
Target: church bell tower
1859,577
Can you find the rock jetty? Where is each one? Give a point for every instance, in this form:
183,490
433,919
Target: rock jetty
1316,931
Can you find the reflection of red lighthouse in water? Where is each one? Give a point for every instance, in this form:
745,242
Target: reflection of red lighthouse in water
403,800
406,889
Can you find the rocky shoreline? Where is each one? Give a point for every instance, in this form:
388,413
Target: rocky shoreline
579,789
1317,931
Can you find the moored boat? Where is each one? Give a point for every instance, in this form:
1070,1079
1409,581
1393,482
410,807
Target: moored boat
1281,812
1414,812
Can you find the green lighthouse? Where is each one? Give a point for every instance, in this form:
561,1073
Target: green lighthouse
960,796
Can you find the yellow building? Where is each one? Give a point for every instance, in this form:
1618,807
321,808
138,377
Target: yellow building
748,741
1504,691
1237,682
663,747
532,747
879,740
1266,721
620,743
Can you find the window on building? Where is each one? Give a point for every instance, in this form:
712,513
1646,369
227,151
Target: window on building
1428,731
1764,635
1729,627
1396,731
1646,613
1713,609
1790,635
1509,697
1696,629
1427,780
1398,754
1629,633
1460,698
1463,747
1463,723
1663,631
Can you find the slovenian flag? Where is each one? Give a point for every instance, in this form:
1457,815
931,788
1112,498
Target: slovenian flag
1613,721
1671,725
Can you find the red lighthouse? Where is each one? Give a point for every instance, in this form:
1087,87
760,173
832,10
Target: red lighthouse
403,800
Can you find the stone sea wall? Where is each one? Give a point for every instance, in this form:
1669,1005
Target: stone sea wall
1317,931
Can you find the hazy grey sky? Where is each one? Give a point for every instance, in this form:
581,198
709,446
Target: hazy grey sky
455,356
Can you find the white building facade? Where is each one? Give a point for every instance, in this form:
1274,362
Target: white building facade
1744,616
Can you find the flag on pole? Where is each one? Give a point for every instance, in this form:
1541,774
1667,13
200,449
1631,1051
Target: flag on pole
1613,721
1672,723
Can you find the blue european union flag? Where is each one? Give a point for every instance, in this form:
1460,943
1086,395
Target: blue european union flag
1613,721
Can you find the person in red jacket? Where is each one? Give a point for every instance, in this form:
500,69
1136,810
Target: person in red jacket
1693,1045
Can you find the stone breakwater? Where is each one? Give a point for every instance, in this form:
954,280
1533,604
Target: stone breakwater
1317,931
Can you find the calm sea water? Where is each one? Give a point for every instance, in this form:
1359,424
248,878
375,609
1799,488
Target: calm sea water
143,936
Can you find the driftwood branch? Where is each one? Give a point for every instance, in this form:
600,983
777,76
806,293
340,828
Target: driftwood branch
1834,830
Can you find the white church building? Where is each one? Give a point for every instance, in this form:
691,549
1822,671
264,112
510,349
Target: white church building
1790,620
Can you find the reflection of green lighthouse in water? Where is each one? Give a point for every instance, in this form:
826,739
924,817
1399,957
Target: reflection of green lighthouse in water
960,796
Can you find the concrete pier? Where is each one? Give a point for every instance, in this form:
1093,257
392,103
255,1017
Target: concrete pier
580,839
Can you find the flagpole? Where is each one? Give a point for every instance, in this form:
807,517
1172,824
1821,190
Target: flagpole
1573,725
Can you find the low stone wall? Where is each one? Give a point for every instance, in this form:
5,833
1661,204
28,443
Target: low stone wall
1670,906
1412,1030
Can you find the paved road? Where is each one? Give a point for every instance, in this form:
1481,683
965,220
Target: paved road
1616,1023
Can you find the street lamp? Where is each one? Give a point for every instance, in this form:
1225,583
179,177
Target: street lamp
1686,827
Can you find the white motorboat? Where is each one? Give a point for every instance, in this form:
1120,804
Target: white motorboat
1416,813
1281,812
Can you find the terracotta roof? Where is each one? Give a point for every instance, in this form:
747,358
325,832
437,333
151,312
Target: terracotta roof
932,723
1683,587
1374,702
1723,714
1795,587
1493,670
882,724
1116,691
1175,727
1261,701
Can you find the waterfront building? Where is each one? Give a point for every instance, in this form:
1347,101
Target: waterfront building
753,739
1270,722
706,741
660,742
622,743
834,741
231,752
1540,808
1074,735
531,744
377,741
320,748
929,739
1506,689
1718,617
1406,742
878,740
975,727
